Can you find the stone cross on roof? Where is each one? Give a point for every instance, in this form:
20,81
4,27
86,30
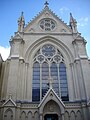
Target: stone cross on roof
46,3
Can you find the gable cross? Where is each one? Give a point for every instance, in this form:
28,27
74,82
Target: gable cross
46,3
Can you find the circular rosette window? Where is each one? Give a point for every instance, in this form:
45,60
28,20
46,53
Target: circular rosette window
47,24
48,50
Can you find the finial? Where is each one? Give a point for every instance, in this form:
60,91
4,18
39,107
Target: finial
73,24
10,96
50,81
21,22
70,14
46,3
22,13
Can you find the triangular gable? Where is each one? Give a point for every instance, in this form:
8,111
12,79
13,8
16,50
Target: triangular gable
47,14
51,95
9,103
17,36
79,38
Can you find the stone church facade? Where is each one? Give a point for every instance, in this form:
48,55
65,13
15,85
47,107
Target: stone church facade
46,76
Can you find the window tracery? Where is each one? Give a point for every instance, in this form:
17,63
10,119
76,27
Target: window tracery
48,61
47,24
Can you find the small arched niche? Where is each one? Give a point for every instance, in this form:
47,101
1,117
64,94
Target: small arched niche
8,114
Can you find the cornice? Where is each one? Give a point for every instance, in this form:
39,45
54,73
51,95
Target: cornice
47,33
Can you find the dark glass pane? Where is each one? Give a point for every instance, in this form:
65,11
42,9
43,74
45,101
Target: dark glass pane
36,95
45,74
62,65
36,69
44,92
44,85
63,85
66,98
62,73
36,77
36,82
63,77
36,64
36,85
63,82
64,89
54,75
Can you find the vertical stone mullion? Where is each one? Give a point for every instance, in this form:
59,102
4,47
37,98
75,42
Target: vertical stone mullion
40,82
41,116
73,81
59,80
62,116
19,81
25,81
80,83
27,65
77,94
49,69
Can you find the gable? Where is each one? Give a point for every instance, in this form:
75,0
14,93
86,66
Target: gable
17,36
51,95
9,103
47,14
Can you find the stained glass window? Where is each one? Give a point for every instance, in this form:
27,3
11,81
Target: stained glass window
48,61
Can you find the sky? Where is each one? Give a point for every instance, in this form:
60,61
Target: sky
10,11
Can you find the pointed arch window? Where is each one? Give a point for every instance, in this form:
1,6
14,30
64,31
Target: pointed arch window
48,61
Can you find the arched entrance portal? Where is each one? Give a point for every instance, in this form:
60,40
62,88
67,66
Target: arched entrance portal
51,117
51,111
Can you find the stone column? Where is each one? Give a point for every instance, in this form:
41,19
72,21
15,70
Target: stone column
25,81
77,74
33,116
18,111
72,92
84,112
41,116
62,116
69,117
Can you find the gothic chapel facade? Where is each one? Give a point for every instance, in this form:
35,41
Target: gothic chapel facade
46,76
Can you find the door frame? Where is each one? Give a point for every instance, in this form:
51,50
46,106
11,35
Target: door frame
54,115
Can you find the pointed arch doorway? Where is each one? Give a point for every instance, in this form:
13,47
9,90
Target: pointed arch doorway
51,117
51,107
51,111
